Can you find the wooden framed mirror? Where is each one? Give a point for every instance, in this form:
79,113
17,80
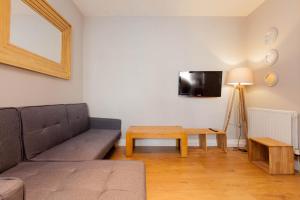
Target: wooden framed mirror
34,36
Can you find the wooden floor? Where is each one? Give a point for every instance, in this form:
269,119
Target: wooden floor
209,176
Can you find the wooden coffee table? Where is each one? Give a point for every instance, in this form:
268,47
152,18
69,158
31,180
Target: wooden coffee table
156,132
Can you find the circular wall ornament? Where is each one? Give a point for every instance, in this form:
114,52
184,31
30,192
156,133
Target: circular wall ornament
272,57
271,79
271,36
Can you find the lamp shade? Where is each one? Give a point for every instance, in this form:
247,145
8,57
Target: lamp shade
240,76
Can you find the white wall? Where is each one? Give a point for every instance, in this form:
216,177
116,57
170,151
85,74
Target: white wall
285,15
132,66
21,87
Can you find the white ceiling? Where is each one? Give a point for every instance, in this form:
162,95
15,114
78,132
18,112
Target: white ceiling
167,7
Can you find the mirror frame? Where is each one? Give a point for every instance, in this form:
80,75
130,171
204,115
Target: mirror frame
13,55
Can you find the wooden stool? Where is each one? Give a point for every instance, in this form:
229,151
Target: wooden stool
203,132
272,156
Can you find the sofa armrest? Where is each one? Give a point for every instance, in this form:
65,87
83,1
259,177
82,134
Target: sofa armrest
11,189
104,123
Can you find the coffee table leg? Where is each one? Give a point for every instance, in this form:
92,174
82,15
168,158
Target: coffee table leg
219,141
183,146
178,143
203,142
133,144
225,143
129,145
222,141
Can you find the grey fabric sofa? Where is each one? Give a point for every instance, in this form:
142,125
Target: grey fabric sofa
45,180
66,133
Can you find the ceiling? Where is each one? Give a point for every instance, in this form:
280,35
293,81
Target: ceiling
167,7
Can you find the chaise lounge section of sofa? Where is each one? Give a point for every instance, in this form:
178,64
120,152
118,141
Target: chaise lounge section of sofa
81,180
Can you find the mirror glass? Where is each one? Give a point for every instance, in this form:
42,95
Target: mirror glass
34,33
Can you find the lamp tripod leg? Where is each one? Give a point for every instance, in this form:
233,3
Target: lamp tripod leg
243,121
230,110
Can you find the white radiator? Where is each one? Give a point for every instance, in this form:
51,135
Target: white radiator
277,124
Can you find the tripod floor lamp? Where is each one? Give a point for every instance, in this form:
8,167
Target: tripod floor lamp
239,78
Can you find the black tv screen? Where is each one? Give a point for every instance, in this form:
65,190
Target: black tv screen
200,83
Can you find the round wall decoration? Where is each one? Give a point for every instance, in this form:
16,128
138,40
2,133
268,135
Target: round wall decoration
272,57
271,79
271,36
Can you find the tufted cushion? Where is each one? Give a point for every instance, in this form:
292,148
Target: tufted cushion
91,145
78,117
90,180
11,189
10,141
44,127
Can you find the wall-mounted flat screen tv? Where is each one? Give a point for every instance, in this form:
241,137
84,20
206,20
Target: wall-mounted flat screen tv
200,83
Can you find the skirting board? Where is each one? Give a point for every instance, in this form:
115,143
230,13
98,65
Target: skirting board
192,142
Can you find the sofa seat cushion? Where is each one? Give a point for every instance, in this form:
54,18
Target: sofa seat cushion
90,145
89,180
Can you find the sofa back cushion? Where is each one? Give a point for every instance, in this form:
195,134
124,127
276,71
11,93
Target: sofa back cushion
78,117
44,127
10,138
